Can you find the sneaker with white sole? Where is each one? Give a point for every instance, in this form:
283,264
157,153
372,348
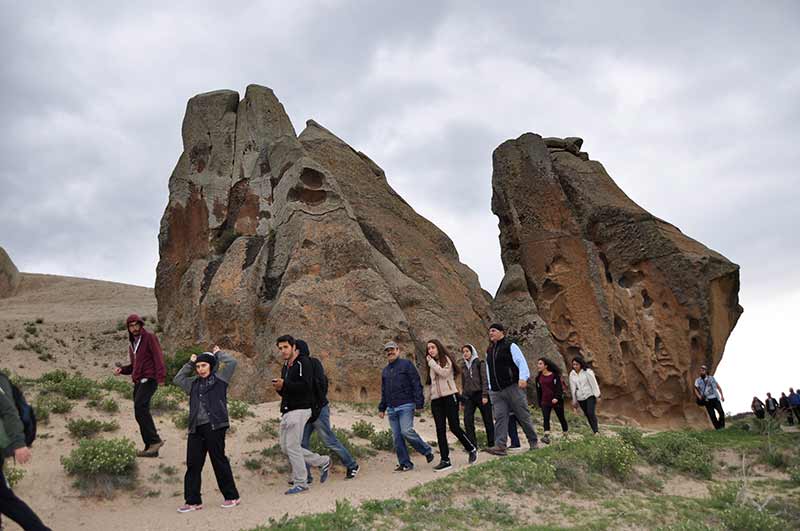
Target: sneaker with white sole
443,465
297,489
323,471
228,504
351,472
473,456
187,508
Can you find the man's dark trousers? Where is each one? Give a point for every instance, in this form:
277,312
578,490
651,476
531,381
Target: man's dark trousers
142,394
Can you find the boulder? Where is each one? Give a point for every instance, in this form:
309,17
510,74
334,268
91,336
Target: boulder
646,304
9,275
269,233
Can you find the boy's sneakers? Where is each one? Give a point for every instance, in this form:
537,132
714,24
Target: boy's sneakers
323,471
297,489
404,468
473,456
429,457
228,504
351,472
497,450
187,508
443,465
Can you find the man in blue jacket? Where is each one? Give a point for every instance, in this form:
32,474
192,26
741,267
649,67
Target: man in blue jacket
401,393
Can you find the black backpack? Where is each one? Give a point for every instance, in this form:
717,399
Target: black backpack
26,413
319,388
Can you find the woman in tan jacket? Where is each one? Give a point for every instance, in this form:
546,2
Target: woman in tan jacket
444,402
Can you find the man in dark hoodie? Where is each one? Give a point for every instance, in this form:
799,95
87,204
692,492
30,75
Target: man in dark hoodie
786,408
205,379
12,443
323,421
475,395
296,390
147,371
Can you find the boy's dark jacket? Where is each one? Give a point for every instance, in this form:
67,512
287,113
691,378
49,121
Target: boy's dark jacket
400,384
215,397
297,389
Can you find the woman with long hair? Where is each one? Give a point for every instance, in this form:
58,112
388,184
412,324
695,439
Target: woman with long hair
550,393
444,402
758,407
584,388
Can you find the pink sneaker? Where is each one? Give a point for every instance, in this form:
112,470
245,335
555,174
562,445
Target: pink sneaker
189,508
227,504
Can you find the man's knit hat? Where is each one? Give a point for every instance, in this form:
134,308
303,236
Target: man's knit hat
207,357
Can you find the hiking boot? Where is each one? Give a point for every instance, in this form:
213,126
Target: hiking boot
496,450
155,447
546,438
187,508
228,504
443,465
351,472
323,471
297,489
429,458
404,468
473,456
148,452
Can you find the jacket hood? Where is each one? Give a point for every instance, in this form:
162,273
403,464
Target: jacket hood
474,353
302,348
134,318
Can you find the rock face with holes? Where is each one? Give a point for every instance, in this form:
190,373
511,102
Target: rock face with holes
269,233
9,275
644,302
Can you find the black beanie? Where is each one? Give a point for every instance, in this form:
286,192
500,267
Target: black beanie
498,326
207,357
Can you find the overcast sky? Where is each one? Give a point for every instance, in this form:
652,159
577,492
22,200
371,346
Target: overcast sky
693,108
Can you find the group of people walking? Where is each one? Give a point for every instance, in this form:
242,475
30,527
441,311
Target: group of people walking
788,405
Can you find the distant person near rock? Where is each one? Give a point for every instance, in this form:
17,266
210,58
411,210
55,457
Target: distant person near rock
550,393
794,403
585,390
786,408
205,379
772,405
147,371
401,394
709,394
757,407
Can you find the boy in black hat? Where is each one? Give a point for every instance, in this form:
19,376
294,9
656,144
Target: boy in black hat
205,379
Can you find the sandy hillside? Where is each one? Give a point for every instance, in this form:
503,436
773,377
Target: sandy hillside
79,332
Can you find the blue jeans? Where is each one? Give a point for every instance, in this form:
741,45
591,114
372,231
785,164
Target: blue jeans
323,426
401,420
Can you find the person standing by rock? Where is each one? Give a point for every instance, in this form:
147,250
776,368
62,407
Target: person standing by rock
401,394
12,443
794,403
550,393
757,407
786,409
205,379
296,389
322,424
147,371
507,373
584,389
771,405
444,403
709,394
475,395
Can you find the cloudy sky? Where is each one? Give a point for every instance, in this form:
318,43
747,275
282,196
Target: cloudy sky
693,109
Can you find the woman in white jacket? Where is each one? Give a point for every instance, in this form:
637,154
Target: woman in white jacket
585,390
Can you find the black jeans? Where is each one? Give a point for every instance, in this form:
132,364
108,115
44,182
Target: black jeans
142,393
559,409
796,410
714,407
445,411
212,442
17,509
471,403
588,406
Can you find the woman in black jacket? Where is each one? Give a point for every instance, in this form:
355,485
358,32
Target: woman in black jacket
550,393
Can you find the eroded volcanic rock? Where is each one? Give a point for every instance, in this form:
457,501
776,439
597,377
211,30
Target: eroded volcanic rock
647,304
268,233
9,275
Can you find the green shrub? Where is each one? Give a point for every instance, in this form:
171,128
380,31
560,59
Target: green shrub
102,466
608,455
57,376
30,328
85,428
776,459
238,409
633,437
679,450
46,404
266,430
109,405
363,429
382,440
794,474
122,386
178,360
746,517
181,420
724,495
77,386
167,398
272,451
253,464
13,474
121,325
767,426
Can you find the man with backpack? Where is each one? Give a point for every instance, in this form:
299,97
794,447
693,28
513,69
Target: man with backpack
13,443
321,410
709,394
295,388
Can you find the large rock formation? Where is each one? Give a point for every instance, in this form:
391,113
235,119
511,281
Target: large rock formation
9,275
268,233
645,303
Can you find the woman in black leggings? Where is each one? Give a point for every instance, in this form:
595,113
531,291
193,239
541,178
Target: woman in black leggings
550,393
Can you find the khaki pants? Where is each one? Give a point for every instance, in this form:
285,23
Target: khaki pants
292,425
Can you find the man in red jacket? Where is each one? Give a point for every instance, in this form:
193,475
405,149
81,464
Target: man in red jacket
147,371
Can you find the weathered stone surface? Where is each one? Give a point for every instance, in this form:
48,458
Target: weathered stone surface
9,275
301,235
645,303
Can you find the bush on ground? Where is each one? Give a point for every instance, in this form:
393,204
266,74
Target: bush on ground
679,450
317,446
121,385
238,409
13,474
77,386
363,429
181,420
85,428
167,398
382,440
46,404
102,466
